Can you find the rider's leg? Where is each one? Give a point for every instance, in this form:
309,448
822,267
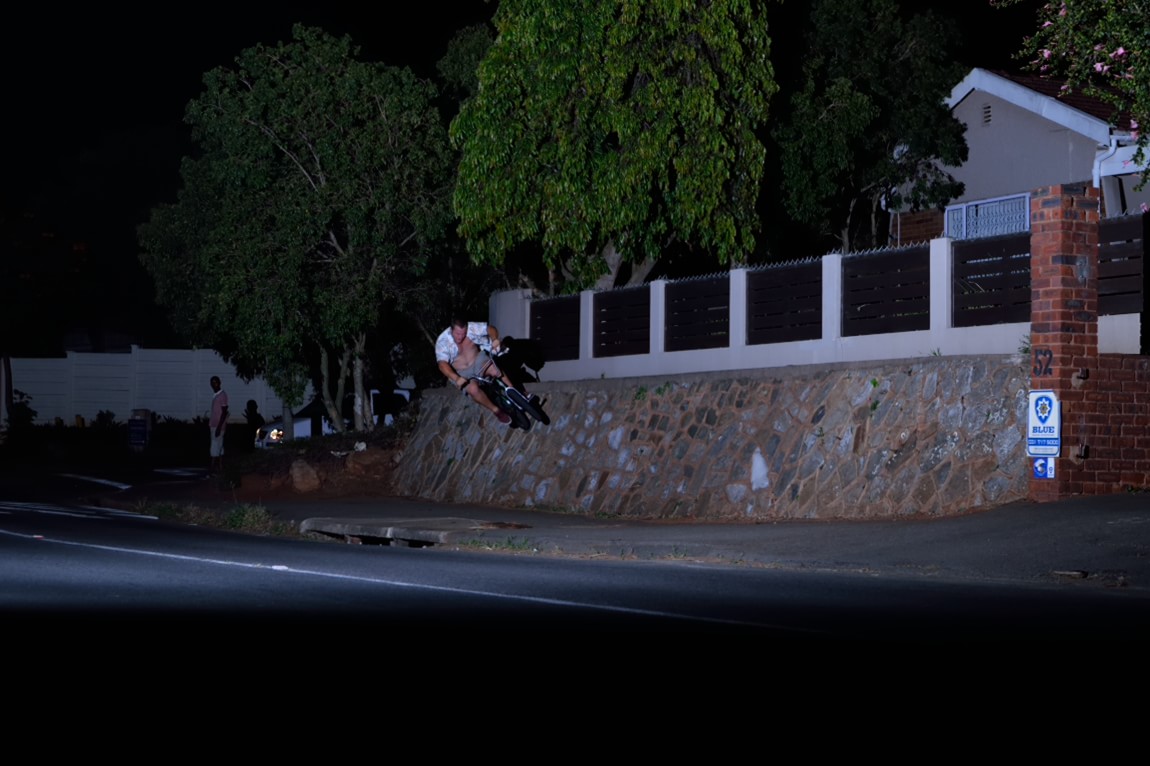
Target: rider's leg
473,390
493,369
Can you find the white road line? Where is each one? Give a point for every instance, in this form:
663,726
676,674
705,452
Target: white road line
191,472
96,480
282,568
81,511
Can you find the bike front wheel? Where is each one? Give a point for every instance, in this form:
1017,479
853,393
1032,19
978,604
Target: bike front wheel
518,417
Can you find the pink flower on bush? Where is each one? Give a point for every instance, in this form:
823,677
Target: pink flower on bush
1118,53
1046,53
1145,207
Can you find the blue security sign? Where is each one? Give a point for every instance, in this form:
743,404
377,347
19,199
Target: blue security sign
1043,425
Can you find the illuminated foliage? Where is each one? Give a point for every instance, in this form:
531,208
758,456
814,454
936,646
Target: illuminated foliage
605,130
868,127
1101,47
321,183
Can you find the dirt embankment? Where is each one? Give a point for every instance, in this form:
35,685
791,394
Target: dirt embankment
366,472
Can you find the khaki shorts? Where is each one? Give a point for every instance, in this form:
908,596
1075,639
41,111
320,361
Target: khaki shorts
482,359
217,446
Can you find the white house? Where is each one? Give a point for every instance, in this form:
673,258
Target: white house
1023,133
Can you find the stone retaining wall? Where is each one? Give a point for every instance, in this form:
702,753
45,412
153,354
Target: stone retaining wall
931,436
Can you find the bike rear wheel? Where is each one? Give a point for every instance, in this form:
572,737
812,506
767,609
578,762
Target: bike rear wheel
519,418
530,406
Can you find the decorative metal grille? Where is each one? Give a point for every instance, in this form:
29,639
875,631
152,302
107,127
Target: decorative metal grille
989,217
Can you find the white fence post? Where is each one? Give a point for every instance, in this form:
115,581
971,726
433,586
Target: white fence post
832,264
587,325
510,312
658,315
737,327
941,295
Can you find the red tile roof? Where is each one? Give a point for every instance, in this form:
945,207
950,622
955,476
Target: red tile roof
1076,99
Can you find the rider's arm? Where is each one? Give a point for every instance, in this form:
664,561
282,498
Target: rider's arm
445,352
449,372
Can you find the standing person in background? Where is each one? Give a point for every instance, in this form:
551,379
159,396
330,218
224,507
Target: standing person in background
255,423
218,424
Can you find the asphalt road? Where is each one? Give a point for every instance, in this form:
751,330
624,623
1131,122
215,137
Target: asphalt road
76,565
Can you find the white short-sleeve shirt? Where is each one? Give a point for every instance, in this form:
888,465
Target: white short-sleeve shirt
446,348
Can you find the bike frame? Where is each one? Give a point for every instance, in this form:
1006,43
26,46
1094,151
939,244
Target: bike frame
521,409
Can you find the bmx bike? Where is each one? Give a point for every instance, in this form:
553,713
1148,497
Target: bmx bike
520,408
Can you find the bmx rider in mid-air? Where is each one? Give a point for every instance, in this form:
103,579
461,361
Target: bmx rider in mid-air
460,354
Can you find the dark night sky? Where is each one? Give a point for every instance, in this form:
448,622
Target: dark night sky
84,86
95,97
94,119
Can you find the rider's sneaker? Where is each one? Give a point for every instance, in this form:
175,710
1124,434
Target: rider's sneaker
502,417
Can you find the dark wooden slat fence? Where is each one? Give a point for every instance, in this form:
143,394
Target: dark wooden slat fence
991,280
887,291
623,322
882,292
555,325
1121,261
698,314
785,303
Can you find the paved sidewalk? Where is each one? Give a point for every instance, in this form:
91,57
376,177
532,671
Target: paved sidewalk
1082,542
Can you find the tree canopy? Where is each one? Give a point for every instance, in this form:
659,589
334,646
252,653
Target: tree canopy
605,130
1102,48
867,125
321,184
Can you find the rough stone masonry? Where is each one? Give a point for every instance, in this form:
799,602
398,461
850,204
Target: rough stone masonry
930,436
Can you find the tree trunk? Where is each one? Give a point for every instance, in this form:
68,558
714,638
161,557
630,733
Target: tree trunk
874,202
330,403
362,413
845,236
639,271
613,259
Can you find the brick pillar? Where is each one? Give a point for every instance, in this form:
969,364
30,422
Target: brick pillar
1064,321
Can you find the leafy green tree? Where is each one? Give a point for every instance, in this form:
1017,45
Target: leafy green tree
604,131
867,124
1103,49
459,67
320,190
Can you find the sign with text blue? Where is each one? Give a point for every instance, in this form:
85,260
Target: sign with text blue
1043,425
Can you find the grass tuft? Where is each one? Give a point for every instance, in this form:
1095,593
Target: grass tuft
245,517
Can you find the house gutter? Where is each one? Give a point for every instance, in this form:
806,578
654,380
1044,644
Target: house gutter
1102,157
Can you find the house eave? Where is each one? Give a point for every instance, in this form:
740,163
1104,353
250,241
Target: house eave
1044,106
